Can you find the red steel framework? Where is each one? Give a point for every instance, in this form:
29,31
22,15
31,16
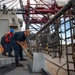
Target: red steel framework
45,9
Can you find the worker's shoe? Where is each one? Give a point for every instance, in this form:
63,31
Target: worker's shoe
10,56
19,65
22,59
4,54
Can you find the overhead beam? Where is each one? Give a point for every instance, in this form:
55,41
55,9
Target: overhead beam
38,11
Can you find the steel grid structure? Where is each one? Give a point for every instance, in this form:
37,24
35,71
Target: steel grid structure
38,14
59,31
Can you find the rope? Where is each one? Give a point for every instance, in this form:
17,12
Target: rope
15,5
11,4
6,2
60,68
9,1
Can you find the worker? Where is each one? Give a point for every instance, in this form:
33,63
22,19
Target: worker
4,9
16,39
8,39
3,43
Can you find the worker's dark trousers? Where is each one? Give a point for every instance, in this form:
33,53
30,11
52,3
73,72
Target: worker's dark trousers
17,50
9,48
5,48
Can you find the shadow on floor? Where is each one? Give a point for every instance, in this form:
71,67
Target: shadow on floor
7,68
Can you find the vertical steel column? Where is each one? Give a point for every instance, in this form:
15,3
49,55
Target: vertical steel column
60,40
66,45
71,28
73,4
28,15
37,43
22,7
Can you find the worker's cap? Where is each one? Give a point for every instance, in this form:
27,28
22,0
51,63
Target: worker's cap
12,30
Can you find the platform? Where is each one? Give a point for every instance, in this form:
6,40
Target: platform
11,69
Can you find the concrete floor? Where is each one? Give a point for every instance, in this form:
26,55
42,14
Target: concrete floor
52,69
11,69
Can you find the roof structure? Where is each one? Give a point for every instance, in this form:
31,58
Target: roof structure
35,12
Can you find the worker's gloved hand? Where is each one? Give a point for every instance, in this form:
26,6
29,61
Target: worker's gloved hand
23,47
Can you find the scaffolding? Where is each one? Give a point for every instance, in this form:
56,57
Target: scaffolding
57,32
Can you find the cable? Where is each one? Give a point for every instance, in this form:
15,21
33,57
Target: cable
15,5
55,64
11,4
2,0
60,68
6,2
9,1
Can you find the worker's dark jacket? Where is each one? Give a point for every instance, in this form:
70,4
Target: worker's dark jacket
4,6
3,40
19,36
